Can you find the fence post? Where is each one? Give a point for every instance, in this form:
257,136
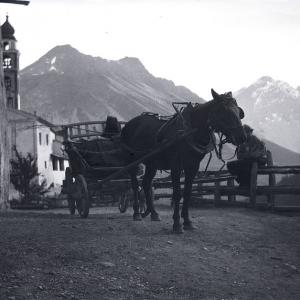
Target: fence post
253,184
199,189
231,198
217,194
272,181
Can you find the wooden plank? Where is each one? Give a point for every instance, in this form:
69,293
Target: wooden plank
272,181
197,188
86,126
230,183
90,123
273,170
71,132
279,189
213,173
287,208
216,179
260,190
88,135
166,184
226,190
217,194
279,167
253,184
79,130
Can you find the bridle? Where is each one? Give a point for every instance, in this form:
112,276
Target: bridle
223,139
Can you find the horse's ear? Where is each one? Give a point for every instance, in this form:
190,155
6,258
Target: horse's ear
229,94
242,114
214,94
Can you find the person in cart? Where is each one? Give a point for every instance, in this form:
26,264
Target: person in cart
252,150
112,127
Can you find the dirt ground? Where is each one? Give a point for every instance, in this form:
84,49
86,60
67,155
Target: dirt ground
235,253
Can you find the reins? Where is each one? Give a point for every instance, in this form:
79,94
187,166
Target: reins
218,150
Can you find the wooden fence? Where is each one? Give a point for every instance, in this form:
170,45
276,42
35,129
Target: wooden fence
220,184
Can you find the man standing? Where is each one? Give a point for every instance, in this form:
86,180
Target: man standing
253,150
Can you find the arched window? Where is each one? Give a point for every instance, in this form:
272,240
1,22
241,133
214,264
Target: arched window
6,46
7,62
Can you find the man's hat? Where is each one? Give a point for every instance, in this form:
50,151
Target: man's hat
247,128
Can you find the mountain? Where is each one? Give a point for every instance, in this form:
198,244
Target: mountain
272,108
281,155
67,86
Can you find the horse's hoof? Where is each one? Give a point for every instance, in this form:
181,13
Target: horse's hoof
137,217
189,226
177,229
155,217
146,213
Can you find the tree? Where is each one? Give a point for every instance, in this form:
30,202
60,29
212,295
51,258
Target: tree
24,177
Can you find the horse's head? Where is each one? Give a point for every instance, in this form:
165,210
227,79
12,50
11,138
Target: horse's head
225,117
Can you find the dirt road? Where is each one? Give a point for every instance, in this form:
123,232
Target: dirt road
234,254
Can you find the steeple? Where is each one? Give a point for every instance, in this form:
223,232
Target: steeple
10,64
7,30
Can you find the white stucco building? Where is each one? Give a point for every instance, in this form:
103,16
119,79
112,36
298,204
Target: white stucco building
30,133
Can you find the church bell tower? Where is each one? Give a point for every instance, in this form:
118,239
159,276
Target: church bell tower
10,65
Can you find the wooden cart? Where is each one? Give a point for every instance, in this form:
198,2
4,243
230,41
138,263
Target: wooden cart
93,158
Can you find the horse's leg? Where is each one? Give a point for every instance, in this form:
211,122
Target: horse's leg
136,206
189,173
175,174
147,187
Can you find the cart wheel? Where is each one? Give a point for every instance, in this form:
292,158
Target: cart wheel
82,196
123,202
71,205
69,183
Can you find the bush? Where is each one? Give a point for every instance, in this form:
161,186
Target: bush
24,177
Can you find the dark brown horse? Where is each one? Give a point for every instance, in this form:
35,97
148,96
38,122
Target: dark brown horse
146,132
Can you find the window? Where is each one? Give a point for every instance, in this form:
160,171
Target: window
7,83
45,165
47,139
7,62
40,138
61,164
55,163
6,46
10,102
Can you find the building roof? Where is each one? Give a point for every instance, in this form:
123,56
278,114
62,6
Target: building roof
7,30
28,115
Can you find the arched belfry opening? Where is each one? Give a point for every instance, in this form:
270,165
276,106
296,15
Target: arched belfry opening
10,64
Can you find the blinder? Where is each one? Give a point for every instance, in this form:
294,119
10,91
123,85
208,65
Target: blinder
242,114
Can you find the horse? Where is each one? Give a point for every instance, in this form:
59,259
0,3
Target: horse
146,132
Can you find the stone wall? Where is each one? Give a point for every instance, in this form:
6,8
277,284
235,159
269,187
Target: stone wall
4,142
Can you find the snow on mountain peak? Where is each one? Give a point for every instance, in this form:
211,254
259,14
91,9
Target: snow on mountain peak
274,106
266,85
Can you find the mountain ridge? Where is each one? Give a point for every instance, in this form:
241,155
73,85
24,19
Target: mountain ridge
66,86
123,87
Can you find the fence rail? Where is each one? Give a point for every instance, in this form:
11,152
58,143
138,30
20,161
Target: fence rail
222,183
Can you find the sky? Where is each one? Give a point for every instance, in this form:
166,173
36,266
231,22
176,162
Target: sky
200,44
